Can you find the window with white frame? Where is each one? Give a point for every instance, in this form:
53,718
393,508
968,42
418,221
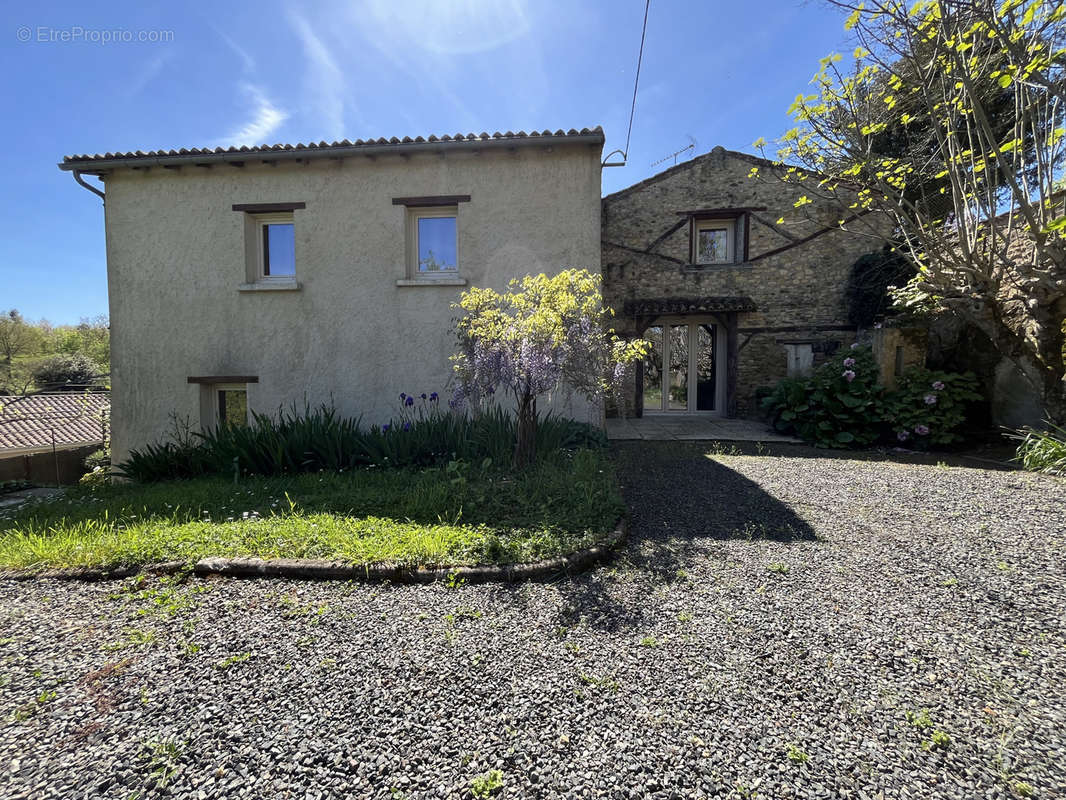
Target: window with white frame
714,241
276,240
433,243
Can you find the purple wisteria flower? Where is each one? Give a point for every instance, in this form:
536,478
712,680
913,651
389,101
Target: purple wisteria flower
849,375
938,385
903,435
849,362
930,399
921,430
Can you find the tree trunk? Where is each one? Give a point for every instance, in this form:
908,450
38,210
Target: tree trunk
1037,350
526,447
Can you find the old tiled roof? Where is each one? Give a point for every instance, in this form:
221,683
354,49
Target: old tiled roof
328,149
27,421
657,306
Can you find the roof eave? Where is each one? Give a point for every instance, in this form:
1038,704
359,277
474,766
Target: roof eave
93,165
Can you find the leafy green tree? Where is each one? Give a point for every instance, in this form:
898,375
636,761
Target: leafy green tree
542,335
951,124
16,337
67,372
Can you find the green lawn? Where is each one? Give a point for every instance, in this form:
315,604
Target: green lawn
441,516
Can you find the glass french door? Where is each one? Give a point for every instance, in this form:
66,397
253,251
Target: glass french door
681,372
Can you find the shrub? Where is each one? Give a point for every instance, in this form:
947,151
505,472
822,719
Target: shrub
927,407
842,405
837,406
66,371
317,439
98,458
1042,451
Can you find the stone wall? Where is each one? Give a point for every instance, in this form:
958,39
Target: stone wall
794,274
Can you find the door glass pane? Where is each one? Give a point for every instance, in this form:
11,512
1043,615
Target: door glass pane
653,370
705,367
678,368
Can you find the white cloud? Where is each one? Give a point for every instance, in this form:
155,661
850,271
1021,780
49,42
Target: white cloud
266,118
324,80
150,72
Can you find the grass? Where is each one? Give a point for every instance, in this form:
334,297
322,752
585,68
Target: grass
450,515
1042,450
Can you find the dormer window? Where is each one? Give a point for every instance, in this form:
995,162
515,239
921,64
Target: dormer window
714,242
718,236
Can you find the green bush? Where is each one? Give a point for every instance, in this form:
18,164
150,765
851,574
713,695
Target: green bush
837,406
1042,451
67,372
98,458
320,439
927,408
842,405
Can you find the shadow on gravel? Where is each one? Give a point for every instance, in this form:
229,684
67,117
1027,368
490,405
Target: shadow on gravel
678,496
678,499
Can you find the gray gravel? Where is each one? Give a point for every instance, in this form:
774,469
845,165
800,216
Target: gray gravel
785,627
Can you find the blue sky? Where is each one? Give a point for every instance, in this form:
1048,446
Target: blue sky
714,72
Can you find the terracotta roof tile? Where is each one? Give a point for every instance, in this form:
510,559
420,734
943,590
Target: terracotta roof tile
27,421
87,160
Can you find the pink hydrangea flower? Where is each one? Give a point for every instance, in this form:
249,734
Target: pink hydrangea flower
903,435
930,399
877,325
849,375
849,362
855,345
938,385
921,430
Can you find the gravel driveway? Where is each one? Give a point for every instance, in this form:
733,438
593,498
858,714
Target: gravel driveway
777,627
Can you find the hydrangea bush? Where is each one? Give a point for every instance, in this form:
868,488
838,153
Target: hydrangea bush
837,406
842,405
928,408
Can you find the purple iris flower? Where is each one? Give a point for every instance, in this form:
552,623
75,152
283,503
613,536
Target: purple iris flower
385,428
410,401
407,426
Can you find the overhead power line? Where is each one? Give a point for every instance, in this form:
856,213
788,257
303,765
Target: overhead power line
636,83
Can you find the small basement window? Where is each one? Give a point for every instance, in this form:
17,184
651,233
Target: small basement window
232,406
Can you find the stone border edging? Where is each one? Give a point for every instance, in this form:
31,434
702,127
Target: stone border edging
320,569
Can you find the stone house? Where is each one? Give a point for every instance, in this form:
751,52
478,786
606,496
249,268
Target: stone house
252,278
695,261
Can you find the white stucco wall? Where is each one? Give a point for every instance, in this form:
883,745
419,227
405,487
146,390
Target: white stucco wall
350,336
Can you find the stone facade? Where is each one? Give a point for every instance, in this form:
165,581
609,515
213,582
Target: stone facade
783,292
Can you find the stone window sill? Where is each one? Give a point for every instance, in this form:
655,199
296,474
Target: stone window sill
270,286
431,282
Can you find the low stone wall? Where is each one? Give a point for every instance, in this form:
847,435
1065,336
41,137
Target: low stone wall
43,468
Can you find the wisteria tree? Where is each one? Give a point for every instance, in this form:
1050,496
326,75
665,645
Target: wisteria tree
950,122
544,335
